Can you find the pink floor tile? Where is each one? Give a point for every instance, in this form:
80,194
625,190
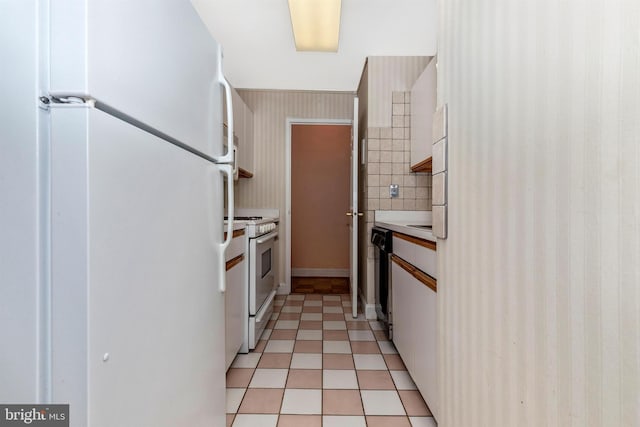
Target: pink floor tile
275,360
394,362
304,378
300,421
365,347
332,316
337,361
388,421
381,335
354,325
335,335
341,402
261,401
414,403
260,346
310,324
375,380
239,377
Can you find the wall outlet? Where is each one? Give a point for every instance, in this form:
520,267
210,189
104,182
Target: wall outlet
394,190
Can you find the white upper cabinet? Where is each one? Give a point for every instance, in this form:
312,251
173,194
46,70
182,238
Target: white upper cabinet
243,134
423,105
246,153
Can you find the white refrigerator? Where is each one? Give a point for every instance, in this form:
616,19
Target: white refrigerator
112,169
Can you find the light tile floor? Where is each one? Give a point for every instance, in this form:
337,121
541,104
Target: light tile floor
316,366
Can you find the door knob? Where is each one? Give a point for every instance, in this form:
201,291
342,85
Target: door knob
352,214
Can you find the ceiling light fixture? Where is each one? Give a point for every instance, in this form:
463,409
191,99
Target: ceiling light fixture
316,24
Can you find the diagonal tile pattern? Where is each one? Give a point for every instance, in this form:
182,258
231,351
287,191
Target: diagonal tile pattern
317,366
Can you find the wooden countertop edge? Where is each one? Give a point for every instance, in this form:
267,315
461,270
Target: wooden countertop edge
421,276
417,240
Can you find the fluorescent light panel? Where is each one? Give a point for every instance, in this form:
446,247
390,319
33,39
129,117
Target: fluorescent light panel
316,24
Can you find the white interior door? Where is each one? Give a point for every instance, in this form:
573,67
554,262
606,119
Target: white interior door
355,215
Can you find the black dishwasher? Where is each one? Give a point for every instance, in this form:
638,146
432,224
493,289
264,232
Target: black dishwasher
381,238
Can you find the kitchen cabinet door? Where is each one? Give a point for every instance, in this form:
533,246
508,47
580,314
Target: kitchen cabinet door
425,370
402,312
235,295
234,307
414,331
238,116
245,146
423,105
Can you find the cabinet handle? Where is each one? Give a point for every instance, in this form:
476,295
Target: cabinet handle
418,274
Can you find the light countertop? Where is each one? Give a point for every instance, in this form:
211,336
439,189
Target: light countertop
402,222
236,226
239,226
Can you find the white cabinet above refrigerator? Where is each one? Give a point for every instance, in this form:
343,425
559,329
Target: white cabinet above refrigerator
423,104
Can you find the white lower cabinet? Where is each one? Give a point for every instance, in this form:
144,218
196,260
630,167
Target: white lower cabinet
235,296
414,329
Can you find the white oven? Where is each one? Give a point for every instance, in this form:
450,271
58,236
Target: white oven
261,227
261,275
262,283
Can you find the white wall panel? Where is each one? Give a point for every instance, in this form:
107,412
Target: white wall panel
539,299
270,111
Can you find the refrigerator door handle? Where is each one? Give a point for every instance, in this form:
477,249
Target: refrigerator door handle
227,158
227,169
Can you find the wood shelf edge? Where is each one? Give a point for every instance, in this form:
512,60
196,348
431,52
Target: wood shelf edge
423,166
243,173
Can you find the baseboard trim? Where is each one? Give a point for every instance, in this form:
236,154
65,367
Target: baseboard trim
370,312
282,289
369,309
320,272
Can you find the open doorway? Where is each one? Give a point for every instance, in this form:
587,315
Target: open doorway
320,191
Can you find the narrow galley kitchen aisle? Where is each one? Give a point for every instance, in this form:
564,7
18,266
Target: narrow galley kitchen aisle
318,366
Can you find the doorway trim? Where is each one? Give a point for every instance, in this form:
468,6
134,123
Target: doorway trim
286,288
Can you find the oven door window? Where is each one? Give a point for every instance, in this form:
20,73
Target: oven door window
266,263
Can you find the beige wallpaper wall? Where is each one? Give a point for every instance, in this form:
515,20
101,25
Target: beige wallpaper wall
270,111
539,280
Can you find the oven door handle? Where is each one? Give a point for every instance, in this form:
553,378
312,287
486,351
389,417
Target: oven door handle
265,305
268,237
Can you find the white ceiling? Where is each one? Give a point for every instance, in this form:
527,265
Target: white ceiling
259,51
